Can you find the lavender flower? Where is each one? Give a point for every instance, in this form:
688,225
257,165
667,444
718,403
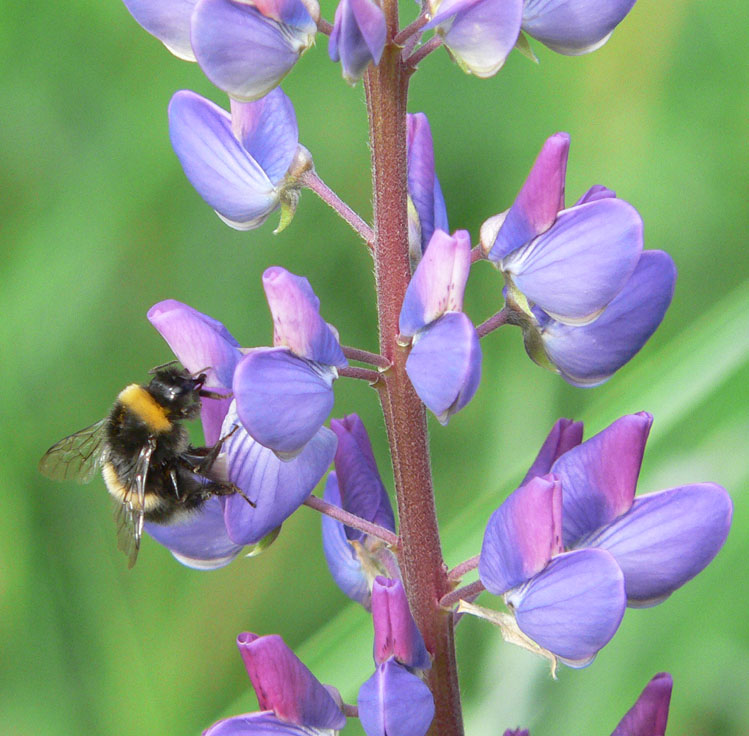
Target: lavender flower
244,48
573,27
216,534
444,364
354,558
285,393
660,540
649,714
292,701
394,701
426,205
578,283
568,603
479,34
244,165
358,37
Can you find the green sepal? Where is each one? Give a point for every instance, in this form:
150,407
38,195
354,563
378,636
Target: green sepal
264,543
524,47
289,201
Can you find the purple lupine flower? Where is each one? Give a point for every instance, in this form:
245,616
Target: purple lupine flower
516,732
426,205
215,535
573,27
353,557
478,33
649,714
358,37
167,20
292,700
246,48
568,262
578,283
244,164
285,393
394,701
569,603
659,540
444,364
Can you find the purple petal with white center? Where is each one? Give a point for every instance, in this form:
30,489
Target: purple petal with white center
200,540
362,490
277,488
201,343
395,702
423,184
564,435
167,20
297,323
542,196
344,564
244,52
574,269
649,715
285,685
395,631
574,606
267,130
444,364
597,191
479,33
600,475
258,724
224,174
666,538
282,400
573,27
522,535
358,37
590,354
438,283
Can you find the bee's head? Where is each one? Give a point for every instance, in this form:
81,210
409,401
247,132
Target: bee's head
177,391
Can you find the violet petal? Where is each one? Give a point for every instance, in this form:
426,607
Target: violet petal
276,487
282,400
574,606
285,685
666,538
599,476
244,52
224,174
167,20
574,269
395,702
444,364
395,631
522,535
358,37
649,715
588,355
542,196
564,435
573,27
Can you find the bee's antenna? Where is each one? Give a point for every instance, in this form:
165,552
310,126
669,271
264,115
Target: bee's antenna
163,365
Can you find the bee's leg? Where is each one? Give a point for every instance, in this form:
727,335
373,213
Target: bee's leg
211,453
227,489
175,483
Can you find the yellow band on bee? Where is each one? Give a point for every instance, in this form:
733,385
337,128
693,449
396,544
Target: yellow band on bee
141,403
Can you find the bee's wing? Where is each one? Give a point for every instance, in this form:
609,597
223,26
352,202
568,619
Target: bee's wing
129,515
78,456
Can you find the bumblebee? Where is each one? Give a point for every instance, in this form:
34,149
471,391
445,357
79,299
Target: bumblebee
149,466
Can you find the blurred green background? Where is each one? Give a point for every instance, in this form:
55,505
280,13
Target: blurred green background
98,223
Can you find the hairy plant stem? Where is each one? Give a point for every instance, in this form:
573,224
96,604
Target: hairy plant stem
355,522
420,554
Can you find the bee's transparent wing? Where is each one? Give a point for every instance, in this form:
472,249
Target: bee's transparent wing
78,456
129,515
